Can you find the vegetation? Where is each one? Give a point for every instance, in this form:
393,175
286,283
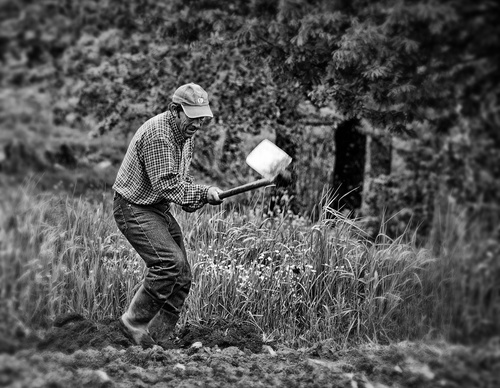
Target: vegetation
277,69
298,283
388,107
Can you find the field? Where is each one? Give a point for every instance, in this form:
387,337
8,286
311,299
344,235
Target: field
275,302
378,266
399,365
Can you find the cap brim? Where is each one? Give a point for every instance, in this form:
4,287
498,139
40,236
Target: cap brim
194,112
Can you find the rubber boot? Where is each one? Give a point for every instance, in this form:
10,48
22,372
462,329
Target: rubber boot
139,314
162,328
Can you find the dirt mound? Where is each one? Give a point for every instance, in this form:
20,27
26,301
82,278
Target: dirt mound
223,334
73,332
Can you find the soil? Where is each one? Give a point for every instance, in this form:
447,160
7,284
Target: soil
77,352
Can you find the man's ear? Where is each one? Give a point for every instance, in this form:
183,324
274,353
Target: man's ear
175,109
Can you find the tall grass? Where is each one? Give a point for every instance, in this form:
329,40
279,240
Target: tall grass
466,278
299,283
59,255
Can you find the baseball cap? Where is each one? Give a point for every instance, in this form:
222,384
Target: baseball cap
194,100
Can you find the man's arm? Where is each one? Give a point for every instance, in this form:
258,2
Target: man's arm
162,169
212,198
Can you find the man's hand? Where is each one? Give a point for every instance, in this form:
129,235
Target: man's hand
213,196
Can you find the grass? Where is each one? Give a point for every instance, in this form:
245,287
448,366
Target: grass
299,283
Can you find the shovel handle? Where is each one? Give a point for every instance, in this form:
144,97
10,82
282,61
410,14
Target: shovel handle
245,187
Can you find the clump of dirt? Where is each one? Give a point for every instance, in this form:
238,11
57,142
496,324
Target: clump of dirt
223,334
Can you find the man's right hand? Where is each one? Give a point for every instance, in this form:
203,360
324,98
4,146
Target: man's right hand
213,196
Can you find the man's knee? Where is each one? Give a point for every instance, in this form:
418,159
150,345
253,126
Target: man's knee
165,276
170,267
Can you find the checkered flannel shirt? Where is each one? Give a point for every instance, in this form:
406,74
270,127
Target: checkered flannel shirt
156,166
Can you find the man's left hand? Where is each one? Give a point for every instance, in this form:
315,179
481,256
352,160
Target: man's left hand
213,196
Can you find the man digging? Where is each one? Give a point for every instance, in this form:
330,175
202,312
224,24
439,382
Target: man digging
153,175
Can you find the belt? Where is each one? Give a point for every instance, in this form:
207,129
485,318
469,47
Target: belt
162,204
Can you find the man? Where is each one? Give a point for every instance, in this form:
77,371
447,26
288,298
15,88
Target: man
153,175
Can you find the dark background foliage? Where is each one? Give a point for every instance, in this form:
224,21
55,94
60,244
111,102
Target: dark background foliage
389,106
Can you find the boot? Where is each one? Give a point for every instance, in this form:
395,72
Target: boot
139,314
162,328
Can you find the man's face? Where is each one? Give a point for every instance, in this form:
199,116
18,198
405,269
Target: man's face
189,126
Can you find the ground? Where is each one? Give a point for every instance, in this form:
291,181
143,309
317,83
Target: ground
80,353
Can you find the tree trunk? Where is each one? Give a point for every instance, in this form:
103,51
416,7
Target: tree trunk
375,185
349,167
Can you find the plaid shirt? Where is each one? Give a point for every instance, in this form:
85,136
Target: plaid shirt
156,166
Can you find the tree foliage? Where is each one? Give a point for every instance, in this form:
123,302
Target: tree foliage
426,68
421,67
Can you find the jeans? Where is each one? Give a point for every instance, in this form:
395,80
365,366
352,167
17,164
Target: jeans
156,236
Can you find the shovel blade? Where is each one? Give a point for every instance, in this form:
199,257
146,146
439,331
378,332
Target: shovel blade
268,159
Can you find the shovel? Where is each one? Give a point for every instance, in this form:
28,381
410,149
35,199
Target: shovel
269,161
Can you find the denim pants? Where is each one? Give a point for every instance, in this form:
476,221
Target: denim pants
156,236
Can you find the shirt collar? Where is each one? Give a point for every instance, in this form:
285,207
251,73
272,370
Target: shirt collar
178,136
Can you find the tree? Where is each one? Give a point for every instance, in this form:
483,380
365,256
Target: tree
393,63
427,69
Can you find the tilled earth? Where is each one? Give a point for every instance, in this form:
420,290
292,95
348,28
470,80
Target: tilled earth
82,353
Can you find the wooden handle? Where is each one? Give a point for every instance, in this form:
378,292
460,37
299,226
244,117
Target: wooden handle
246,187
